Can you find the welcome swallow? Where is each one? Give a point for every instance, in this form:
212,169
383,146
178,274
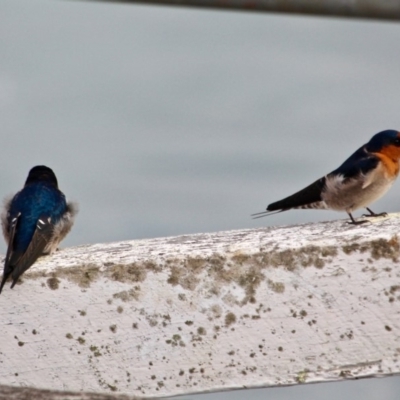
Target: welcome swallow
34,222
362,179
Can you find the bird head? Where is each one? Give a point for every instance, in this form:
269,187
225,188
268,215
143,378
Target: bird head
41,173
386,143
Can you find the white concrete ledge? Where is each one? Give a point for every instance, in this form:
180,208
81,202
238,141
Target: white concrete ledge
29,393
208,312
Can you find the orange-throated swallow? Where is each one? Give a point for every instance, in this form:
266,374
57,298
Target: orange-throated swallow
362,179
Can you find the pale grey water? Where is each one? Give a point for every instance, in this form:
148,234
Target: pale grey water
165,121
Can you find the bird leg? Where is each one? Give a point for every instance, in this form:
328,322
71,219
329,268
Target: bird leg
372,214
354,222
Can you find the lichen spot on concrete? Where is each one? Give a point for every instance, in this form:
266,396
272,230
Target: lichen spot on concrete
53,283
128,295
183,276
182,296
113,328
127,273
306,256
195,264
81,340
216,311
120,310
350,248
379,248
230,318
95,350
83,275
302,376
382,248
201,331
277,287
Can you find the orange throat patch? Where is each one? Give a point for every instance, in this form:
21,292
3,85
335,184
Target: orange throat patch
390,157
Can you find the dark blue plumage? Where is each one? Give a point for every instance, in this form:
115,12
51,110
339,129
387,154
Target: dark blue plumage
34,222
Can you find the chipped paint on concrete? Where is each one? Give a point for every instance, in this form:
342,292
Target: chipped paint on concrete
250,308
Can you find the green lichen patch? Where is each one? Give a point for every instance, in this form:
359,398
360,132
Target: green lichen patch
230,318
277,287
182,297
246,270
382,248
83,275
216,311
183,277
350,248
195,264
176,340
302,376
241,258
128,295
127,273
201,331
379,248
53,283
113,388
95,350
308,256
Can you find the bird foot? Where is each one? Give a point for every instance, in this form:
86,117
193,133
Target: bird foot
383,214
357,222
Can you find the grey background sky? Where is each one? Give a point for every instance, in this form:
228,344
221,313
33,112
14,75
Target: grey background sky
165,121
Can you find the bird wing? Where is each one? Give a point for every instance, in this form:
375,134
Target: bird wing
359,165
9,256
41,237
309,197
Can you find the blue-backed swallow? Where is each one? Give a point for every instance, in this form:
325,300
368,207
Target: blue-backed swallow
34,222
362,179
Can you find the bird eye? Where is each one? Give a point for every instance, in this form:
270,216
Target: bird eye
397,141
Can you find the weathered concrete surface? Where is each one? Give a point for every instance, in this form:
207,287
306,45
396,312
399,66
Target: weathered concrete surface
250,308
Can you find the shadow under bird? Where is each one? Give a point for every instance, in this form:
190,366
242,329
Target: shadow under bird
362,179
34,222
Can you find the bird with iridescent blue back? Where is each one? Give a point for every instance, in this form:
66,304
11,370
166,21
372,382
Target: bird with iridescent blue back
34,222
362,179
